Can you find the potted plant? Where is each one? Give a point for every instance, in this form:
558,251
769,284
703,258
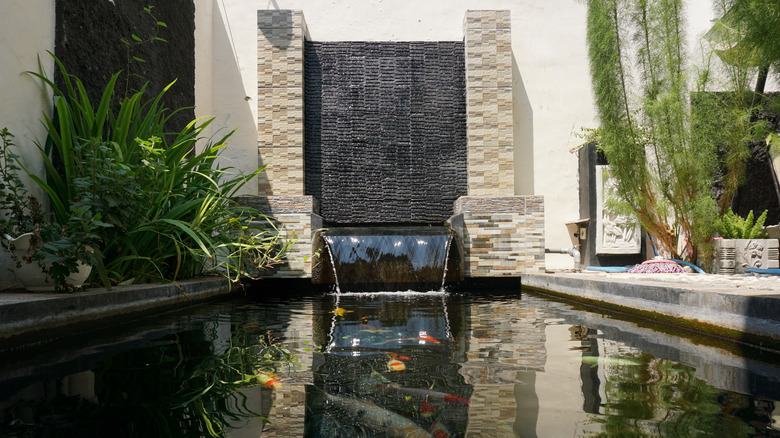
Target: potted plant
743,244
45,255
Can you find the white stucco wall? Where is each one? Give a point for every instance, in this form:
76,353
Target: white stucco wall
552,93
26,32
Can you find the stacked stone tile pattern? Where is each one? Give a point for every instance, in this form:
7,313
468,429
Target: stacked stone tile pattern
280,36
385,135
296,218
489,103
503,236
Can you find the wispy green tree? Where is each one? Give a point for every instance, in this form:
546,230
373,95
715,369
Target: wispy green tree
639,71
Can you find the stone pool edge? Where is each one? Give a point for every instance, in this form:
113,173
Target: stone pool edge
30,315
740,315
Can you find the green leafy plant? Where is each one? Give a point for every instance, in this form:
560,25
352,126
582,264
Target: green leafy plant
159,204
21,212
732,226
58,248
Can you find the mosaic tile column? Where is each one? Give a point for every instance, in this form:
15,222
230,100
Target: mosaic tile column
502,236
280,36
489,103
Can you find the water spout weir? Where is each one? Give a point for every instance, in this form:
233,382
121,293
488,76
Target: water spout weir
371,259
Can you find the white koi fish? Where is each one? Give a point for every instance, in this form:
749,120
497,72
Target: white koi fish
377,382
380,419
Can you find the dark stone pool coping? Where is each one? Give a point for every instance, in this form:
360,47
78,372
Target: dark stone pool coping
25,316
742,308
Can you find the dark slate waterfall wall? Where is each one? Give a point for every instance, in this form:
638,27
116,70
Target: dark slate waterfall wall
385,130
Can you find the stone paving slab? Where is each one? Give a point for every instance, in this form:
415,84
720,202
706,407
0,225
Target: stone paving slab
25,314
747,303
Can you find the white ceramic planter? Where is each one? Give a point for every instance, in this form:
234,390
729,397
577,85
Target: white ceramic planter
30,275
732,256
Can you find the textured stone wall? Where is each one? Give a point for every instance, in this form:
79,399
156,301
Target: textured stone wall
280,36
88,41
489,103
295,217
502,236
385,130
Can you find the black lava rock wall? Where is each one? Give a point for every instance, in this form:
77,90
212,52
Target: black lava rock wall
385,130
88,41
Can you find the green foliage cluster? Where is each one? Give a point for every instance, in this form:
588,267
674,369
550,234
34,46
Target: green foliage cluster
732,226
21,212
150,204
174,387
57,247
663,175
645,396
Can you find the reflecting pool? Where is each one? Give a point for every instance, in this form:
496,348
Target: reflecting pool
387,365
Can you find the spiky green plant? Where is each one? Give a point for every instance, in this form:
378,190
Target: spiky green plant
732,226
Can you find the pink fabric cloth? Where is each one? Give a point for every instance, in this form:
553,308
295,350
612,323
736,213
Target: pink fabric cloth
658,267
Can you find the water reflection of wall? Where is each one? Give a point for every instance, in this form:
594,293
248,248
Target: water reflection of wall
506,349
288,403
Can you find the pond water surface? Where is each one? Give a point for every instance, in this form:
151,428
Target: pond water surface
386,365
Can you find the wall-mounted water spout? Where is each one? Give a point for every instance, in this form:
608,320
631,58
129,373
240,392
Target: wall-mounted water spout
387,258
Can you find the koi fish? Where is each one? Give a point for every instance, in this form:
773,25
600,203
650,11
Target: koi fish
395,365
340,311
268,380
439,431
428,338
399,357
380,382
594,361
386,422
427,408
372,329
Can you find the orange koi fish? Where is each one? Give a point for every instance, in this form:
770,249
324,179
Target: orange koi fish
395,365
399,357
428,338
268,380
341,312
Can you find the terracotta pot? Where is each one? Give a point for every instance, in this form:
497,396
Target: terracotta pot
30,275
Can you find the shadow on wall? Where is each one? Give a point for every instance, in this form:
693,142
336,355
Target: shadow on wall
232,104
278,33
523,120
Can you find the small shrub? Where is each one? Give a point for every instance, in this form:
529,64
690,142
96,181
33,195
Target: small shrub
732,226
